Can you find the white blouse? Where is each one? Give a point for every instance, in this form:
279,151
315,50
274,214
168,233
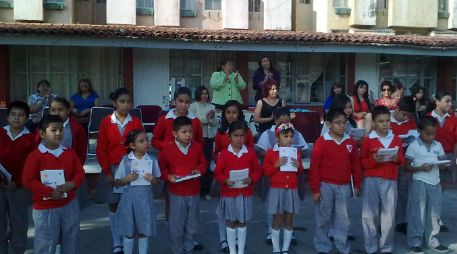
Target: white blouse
209,126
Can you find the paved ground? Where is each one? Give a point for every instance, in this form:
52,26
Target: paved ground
95,235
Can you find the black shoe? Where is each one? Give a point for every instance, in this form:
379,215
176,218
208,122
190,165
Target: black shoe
268,240
351,238
224,247
386,252
441,249
444,229
293,241
331,238
416,250
199,246
401,228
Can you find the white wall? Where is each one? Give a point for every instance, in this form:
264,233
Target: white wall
150,76
235,14
121,12
320,8
166,12
277,14
452,21
366,68
31,10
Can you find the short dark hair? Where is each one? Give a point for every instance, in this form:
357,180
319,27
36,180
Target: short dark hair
238,125
119,92
337,84
379,110
43,81
47,120
387,83
182,90
198,93
332,114
61,100
281,111
85,80
19,105
427,121
407,104
181,121
131,137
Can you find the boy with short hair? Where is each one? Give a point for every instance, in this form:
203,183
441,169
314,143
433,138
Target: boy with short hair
55,211
380,183
334,161
16,142
182,157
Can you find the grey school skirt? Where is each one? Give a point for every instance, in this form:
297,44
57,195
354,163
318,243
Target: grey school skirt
282,200
105,190
235,208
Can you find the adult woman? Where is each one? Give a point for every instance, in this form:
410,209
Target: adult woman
336,89
82,101
263,113
205,111
386,96
38,101
361,104
226,84
420,100
265,72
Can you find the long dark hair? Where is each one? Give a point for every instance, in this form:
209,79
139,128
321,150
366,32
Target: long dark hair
438,96
339,103
415,90
224,123
272,69
365,96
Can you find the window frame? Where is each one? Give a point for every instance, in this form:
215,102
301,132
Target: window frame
213,4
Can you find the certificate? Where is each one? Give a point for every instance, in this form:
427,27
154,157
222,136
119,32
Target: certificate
290,153
53,178
238,177
387,153
141,167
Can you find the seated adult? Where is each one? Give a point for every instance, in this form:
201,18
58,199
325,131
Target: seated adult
85,99
264,109
38,101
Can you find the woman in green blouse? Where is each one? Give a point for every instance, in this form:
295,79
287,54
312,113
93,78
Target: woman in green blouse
226,84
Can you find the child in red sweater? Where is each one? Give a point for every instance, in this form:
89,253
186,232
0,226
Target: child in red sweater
16,143
235,205
111,148
178,159
55,210
283,201
380,183
334,161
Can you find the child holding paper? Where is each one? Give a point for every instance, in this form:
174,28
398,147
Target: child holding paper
425,193
235,205
135,215
182,157
55,210
380,183
283,201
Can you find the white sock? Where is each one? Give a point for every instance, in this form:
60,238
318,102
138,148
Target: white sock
117,239
143,245
275,239
241,239
270,222
128,245
231,239
286,239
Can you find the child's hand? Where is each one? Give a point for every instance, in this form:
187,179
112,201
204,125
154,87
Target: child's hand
294,162
377,158
66,187
131,177
229,183
282,161
172,178
395,158
317,197
426,167
56,195
247,181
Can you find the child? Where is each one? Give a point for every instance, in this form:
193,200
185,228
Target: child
135,215
180,158
380,183
425,190
334,161
164,128
343,103
16,143
110,150
283,201
235,205
55,211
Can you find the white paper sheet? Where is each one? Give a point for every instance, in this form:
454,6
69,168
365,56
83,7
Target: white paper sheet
387,153
434,163
238,176
7,174
290,153
141,167
409,137
52,178
188,177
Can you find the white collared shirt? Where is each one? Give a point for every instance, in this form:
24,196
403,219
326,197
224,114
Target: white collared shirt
115,120
385,141
327,136
10,134
183,149
56,152
171,115
440,119
243,150
419,152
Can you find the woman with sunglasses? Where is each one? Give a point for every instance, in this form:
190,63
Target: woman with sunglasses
386,98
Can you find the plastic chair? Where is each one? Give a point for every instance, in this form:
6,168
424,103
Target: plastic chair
151,114
96,116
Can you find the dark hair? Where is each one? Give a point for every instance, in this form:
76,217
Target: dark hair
272,69
387,83
224,62
267,87
85,80
406,103
62,101
181,121
379,110
358,84
438,96
339,103
131,138
337,84
397,86
427,121
224,123
415,90
199,91
332,114
19,105
182,91
119,92
47,120
238,125
281,111
43,81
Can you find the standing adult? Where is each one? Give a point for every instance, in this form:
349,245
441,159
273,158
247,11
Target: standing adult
336,89
263,113
226,84
85,99
38,101
265,72
361,104
386,96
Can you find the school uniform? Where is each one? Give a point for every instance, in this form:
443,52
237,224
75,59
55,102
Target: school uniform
163,131
379,191
333,163
111,147
135,212
56,221
175,159
223,141
425,195
268,139
14,203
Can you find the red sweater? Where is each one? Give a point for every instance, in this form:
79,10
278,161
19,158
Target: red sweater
111,145
222,141
173,162
278,179
37,161
227,162
403,128
14,153
163,132
78,139
334,164
447,135
386,170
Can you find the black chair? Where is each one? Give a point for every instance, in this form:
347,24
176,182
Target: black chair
3,116
96,116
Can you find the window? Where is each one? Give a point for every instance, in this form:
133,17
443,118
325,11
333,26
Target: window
54,4
443,9
188,8
145,7
212,4
254,5
305,1
382,4
186,68
340,3
6,4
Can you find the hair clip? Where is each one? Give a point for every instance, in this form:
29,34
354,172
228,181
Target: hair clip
283,127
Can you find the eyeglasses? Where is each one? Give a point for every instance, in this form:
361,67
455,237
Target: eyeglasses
339,123
385,89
